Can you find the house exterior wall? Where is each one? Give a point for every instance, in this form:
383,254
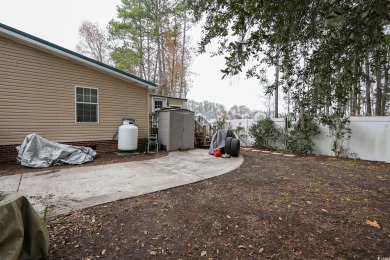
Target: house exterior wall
176,102
170,101
37,95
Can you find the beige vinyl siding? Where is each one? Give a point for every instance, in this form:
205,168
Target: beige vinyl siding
176,102
37,95
170,102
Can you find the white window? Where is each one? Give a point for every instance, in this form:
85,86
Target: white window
87,105
158,103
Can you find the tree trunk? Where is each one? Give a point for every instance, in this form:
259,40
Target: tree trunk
386,84
173,66
378,93
141,48
350,107
359,105
156,63
181,87
148,50
143,72
277,68
368,85
160,77
355,91
163,66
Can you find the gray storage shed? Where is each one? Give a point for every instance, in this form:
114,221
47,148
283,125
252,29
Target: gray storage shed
176,128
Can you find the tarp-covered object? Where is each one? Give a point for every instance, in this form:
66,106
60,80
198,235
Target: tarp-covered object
38,152
23,235
219,138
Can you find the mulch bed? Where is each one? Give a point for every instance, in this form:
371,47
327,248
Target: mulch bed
271,207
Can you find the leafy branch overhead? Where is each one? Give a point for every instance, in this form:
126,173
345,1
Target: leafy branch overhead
320,47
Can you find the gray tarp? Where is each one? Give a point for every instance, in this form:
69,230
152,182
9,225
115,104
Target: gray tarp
38,152
218,140
23,235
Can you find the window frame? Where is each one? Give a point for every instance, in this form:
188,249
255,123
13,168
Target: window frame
97,105
164,102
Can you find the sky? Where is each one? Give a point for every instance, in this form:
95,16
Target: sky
58,22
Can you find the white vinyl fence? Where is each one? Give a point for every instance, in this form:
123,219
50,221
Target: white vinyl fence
370,138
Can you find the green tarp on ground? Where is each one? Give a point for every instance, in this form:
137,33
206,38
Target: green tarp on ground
23,235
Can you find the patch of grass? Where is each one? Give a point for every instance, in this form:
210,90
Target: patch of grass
142,201
253,195
165,204
93,229
44,219
328,196
285,198
196,224
315,184
302,198
310,174
314,187
106,213
354,197
61,222
347,164
166,222
359,215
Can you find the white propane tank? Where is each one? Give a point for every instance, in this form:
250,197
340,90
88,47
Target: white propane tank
127,135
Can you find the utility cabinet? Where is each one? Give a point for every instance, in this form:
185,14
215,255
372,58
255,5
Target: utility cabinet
176,129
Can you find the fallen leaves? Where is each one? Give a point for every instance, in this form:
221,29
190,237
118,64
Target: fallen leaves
372,223
203,253
242,247
297,252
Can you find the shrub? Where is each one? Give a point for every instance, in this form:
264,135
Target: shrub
264,133
338,131
220,123
299,137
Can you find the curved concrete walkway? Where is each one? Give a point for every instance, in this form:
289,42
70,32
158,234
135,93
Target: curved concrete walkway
82,187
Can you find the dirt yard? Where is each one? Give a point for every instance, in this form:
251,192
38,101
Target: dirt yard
271,207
